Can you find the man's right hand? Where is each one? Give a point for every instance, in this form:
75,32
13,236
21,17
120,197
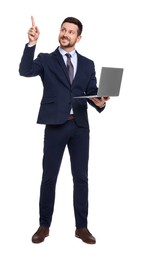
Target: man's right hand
33,33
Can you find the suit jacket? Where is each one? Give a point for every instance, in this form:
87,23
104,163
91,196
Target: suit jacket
58,93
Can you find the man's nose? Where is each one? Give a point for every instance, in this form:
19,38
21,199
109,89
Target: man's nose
66,34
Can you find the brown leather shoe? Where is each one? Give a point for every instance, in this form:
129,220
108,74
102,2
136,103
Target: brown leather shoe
85,235
40,234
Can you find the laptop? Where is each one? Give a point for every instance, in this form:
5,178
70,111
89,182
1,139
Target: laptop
109,84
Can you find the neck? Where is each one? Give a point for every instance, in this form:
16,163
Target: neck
67,49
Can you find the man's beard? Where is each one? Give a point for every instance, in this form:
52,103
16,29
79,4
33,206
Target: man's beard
67,44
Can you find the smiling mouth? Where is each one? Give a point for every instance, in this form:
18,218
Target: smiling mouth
64,39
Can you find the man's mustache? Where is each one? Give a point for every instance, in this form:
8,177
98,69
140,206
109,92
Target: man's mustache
65,38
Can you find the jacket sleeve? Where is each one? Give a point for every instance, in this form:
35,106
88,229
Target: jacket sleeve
93,105
28,67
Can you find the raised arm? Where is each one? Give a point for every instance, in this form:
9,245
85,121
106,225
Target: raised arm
28,67
33,33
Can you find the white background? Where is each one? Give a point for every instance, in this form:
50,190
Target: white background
111,37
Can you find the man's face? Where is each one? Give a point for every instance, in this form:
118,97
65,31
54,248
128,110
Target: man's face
68,35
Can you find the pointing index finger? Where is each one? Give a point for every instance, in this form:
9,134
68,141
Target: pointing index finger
33,21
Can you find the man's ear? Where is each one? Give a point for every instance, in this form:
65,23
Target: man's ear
79,38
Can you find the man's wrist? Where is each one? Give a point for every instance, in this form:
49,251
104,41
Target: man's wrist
30,44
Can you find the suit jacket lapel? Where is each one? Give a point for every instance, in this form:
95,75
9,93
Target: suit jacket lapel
80,67
79,70
62,64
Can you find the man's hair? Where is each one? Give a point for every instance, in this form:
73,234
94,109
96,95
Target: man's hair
75,21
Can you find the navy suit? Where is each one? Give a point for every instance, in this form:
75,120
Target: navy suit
57,101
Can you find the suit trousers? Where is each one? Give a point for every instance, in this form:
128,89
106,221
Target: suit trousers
56,138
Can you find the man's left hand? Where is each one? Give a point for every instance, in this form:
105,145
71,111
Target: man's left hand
100,102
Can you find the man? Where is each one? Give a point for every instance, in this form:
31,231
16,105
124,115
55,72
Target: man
64,77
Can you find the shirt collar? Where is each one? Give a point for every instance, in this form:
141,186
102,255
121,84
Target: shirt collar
63,52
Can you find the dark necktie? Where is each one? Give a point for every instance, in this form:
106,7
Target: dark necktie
70,67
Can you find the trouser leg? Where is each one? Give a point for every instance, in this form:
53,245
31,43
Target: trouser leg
79,154
54,145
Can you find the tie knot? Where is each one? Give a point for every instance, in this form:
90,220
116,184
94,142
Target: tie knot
68,55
